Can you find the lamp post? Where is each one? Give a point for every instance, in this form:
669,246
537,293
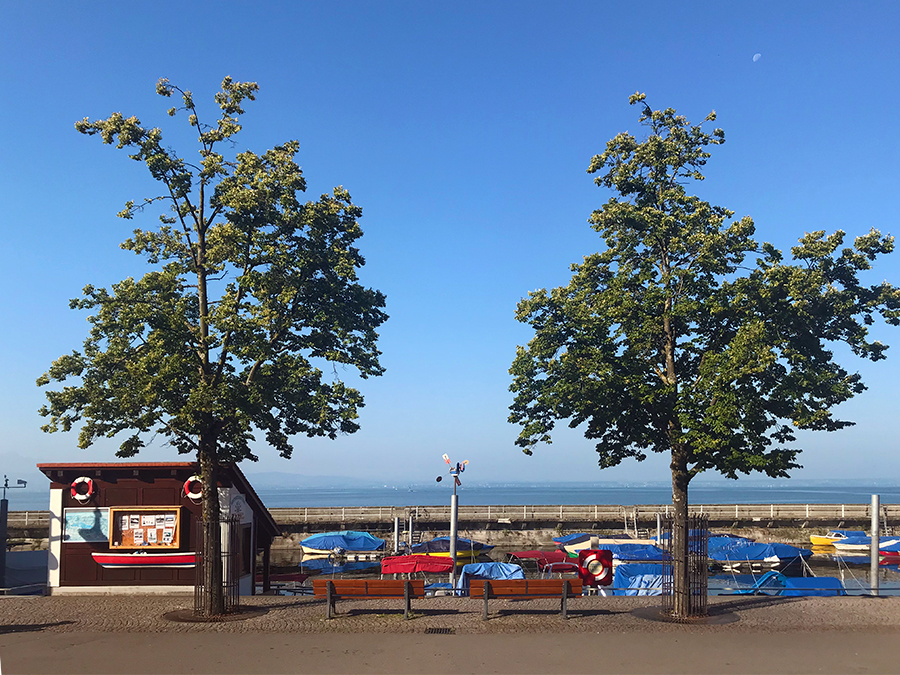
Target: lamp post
4,513
454,512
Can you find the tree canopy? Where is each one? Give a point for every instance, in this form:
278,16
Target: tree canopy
249,291
683,334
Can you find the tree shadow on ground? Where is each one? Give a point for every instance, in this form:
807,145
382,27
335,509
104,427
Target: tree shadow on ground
747,603
30,627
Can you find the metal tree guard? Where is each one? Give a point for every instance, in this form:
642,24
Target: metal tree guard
229,531
454,511
697,564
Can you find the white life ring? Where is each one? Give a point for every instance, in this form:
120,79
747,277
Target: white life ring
79,496
190,494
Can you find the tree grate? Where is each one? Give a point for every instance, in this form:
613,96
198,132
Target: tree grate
439,631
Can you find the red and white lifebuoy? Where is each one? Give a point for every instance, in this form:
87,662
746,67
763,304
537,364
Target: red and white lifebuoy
192,488
595,567
82,489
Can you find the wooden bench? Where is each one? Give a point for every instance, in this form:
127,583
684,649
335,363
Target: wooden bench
524,589
359,589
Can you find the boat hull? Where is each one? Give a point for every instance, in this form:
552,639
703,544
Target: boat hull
144,560
321,553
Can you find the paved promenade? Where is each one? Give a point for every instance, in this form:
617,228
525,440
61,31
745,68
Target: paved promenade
602,635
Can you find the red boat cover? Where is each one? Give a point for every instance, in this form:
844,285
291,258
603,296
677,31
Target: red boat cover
404,564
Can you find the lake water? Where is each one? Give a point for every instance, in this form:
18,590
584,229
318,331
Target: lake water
737,492
571,493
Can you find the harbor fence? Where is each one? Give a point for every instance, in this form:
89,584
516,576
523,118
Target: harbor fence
560,513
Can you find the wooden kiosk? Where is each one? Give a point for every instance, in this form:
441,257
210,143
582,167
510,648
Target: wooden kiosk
129,527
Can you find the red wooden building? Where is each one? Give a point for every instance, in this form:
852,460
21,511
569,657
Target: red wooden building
134,527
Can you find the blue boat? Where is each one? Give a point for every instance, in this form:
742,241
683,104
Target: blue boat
735,553
775,583
343,542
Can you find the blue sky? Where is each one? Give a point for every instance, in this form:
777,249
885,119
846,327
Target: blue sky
464,131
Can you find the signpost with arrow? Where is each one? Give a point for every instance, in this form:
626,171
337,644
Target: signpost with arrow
454,504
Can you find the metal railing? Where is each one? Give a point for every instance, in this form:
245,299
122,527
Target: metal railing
569,512
560,512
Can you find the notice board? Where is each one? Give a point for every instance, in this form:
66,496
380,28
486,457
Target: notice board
143,527
85,525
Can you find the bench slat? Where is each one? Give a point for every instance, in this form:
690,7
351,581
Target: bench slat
369,588
525,588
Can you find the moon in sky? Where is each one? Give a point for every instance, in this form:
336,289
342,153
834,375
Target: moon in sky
756,57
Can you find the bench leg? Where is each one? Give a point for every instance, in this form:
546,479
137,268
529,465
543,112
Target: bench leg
329,599
406,600
487,593
565,597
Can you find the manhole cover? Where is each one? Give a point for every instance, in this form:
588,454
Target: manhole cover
439,631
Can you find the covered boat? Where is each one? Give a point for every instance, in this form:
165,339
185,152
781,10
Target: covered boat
776,583
736,552
492,570
635,553
863,544
409,564
889,554
345,541
638,579
332,566
573,543
144,559
465,548
833,536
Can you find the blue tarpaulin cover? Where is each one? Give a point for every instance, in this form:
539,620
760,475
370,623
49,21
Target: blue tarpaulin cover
493,570
572,538
349,540
732,549
637,579
775,583
848,533
642,552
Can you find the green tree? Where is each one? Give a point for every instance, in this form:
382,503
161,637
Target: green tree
671,340
249,288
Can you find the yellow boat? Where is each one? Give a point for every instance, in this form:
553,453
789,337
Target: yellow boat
833,536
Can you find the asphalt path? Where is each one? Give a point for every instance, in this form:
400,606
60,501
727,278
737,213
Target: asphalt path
634,652
602,635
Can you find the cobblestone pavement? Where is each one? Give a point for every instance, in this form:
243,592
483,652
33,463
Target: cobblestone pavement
304,614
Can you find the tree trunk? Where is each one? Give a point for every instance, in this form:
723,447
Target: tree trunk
681,580
212,535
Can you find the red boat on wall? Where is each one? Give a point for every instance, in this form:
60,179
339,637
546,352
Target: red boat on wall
144,559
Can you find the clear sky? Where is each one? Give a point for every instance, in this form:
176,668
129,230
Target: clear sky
464,131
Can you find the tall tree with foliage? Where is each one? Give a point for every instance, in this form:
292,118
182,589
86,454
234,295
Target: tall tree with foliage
249,288
684,336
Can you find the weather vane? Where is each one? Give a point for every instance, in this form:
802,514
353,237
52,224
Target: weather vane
454,470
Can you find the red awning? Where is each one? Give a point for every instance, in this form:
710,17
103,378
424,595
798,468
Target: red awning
405,564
